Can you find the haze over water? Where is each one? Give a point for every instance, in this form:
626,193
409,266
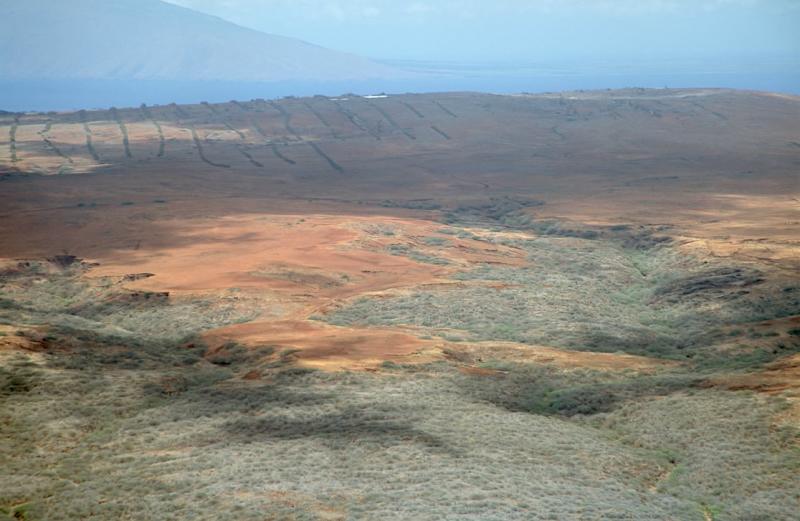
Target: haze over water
501,47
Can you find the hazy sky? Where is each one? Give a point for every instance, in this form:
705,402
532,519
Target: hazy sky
535,30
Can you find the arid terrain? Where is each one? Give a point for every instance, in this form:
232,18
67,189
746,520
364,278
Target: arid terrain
579,305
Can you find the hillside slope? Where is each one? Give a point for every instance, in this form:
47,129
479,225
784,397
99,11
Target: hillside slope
438,307
449,306
150,39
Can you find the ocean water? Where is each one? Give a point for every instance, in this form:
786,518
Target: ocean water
766,75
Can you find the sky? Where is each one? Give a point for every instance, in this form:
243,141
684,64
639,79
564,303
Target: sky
528,30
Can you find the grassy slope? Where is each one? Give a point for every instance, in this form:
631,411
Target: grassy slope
591,294
127,444
114,412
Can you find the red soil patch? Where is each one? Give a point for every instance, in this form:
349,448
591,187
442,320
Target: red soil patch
322,345
284,253
304,264
10,340
782,376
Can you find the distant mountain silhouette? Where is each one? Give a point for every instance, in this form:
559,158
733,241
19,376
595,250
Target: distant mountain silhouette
154,40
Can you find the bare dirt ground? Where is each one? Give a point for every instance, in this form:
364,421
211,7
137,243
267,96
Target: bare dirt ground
287,200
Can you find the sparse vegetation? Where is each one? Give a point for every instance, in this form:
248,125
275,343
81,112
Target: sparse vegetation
249,156
161,140
322,119
88,134
12,139
52,146
277,446
200,151
333,164
240,147
445,109
356,120
410,107
287,119
75,309
440,132
193,375
413,204
279,155
392,121
407,251
120,388
123,130
589,295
